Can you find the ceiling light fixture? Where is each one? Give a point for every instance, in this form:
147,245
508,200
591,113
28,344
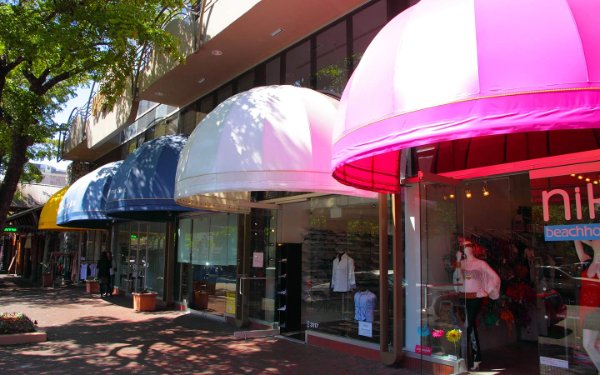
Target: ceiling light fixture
201,80
216,52
277,31
468,193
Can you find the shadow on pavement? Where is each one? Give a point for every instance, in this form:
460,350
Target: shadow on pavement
90,335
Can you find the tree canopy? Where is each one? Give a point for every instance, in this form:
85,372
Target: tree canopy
48,48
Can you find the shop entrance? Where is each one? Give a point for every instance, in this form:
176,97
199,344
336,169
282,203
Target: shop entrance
494,215
141,257
207,256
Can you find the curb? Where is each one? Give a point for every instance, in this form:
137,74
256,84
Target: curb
23,338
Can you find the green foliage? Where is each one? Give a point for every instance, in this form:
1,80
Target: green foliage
48,48
15,323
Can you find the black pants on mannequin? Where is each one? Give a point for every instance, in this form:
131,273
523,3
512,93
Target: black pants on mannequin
474,351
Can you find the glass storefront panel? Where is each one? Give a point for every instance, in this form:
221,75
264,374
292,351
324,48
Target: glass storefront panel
297,65
442,305
565,263
155,269
340,267
184,241
273,71
261,279
121,257
140,257
482,304
207,254
365,25
332,67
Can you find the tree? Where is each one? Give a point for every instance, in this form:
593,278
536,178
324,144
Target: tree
50,47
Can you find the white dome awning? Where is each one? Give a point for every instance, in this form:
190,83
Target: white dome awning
273,138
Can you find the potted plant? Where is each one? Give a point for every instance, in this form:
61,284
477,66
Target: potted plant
46,275
144,300
92,286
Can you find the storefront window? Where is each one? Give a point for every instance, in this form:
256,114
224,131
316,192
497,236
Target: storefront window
209,244
340,267
332,68
140,257
184,242
155,267
259,285
273,71
479,295
297,65
365,25
565,262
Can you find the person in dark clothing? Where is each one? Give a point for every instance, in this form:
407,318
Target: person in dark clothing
103,269
111,280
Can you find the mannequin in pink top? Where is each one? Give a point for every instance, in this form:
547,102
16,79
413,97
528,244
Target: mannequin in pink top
480,281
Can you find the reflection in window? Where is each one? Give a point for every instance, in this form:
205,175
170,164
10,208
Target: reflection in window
340,260
273,71
297,71
332,70
209,243
365,25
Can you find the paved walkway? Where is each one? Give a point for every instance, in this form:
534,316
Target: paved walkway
89,335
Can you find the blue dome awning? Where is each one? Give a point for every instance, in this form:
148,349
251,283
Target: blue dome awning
84,203
143,186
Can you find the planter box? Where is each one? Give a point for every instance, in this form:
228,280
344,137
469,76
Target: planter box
144,301
200,300
92,286
23,338
46,280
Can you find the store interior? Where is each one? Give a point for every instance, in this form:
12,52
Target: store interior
535,318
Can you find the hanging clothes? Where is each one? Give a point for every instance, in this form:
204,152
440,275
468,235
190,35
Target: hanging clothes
364,304
342,275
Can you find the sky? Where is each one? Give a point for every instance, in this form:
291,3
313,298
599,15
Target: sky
79,100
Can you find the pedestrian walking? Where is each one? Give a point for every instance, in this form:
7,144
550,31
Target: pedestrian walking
103,268
111,279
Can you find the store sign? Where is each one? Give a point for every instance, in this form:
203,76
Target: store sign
365,329
230,303
258,259
572,232
571,200
10,229
425,350
592,201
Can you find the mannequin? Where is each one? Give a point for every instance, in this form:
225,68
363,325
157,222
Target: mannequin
590,299
480,281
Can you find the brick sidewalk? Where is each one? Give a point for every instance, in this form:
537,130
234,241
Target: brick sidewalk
88,335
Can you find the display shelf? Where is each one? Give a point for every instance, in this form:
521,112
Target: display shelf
288,259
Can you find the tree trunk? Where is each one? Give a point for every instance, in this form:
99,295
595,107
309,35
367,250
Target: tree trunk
14,169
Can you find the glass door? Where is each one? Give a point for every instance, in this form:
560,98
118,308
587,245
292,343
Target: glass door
137,256
443,316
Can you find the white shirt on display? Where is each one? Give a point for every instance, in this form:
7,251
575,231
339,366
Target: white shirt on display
342,275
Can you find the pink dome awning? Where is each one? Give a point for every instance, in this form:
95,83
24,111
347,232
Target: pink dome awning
455,69
273,138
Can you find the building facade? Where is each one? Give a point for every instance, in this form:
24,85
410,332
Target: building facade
382,277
